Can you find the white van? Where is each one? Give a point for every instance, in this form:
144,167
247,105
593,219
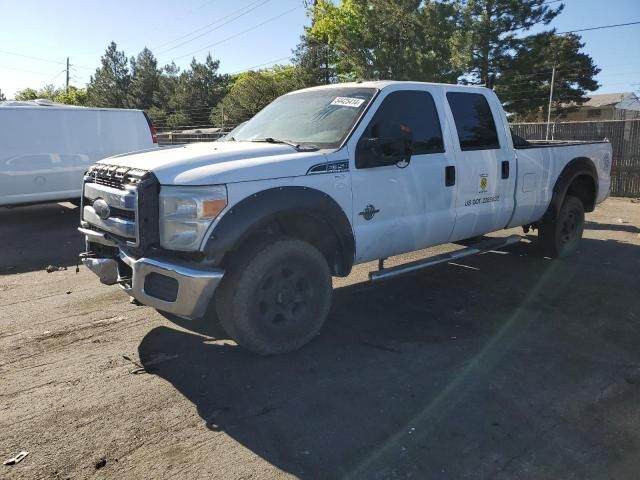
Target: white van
45,147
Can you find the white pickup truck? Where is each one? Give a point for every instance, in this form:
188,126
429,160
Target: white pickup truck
320,180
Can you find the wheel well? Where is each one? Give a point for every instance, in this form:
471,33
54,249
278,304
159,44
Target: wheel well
299,212
578,178
308,227
584,188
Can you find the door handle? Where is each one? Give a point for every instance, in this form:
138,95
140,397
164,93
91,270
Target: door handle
449,176
505,169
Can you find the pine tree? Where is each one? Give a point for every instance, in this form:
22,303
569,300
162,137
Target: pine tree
145,80
198,90
167,84
163,97
315,61
492,29
109,86
525,85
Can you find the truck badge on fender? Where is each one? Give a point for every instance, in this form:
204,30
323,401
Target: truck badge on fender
369,212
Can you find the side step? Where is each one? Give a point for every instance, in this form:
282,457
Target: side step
480,247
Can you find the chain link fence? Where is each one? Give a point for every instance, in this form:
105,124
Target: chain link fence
194,135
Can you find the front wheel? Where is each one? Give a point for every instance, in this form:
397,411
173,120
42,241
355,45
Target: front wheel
562,236
275,296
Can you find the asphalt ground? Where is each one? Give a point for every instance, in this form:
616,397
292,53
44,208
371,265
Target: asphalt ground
505,365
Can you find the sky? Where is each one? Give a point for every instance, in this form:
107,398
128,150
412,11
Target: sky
242,34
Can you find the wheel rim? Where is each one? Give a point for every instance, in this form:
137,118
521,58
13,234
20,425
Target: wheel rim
284,296
569,227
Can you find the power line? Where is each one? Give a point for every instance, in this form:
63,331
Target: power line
545,95
24,70
247,9
567,68
562,75
261,65
31,57
600,27
207,32
203,4
578,68
41,59
240,33
56,76
251,7
203,27
567,73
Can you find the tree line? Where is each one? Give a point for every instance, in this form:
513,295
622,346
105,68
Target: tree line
454,41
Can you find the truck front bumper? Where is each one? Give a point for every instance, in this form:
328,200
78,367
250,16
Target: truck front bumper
166,286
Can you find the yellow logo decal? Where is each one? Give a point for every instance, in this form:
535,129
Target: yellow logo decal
483,183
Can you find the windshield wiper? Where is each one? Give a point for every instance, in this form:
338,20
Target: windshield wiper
297,146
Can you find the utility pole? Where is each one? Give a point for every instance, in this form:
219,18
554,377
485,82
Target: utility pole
553,79
67,87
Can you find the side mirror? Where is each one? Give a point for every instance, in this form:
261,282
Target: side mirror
391,146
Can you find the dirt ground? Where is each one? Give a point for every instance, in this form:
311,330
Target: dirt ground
502,366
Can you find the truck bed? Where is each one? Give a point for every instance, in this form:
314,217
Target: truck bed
540,162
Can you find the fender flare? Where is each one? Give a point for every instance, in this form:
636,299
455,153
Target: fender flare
263,208
579,166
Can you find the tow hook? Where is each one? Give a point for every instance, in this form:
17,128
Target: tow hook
105,268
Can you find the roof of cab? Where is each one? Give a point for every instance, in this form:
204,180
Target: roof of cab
381,84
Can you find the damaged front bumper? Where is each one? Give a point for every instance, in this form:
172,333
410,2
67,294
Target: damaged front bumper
167,286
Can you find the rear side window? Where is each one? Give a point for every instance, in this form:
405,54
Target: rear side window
474,121
416,113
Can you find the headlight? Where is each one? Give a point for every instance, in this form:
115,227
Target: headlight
187,212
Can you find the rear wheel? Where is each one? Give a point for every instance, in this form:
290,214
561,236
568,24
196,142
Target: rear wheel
562,236
275,296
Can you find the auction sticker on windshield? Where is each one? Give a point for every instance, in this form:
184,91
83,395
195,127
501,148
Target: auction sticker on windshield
348,102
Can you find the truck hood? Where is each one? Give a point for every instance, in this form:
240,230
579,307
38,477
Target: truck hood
219,162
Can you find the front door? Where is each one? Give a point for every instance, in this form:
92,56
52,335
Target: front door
405,206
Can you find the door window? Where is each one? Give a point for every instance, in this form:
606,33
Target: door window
474,121
404,116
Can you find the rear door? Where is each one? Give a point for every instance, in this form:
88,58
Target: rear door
485,164
403,207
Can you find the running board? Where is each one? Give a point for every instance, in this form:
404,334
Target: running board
480,247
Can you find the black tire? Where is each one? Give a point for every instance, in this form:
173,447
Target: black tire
275,296
561,237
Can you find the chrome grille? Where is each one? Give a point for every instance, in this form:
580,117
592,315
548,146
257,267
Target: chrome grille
108,182
114,176
118,212
116,189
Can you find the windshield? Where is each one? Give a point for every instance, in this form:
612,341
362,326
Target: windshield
232,134
322,117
